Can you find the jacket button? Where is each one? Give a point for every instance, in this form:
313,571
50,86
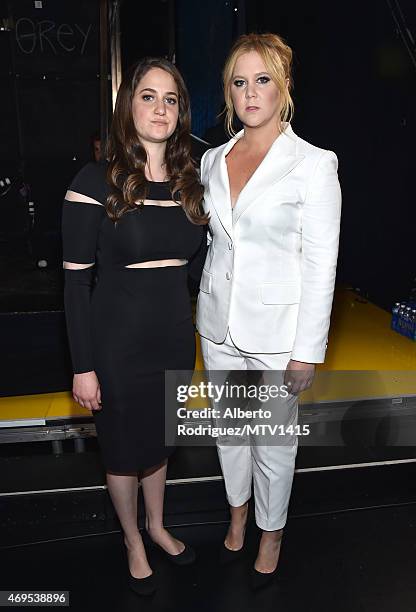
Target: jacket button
230,245
228,276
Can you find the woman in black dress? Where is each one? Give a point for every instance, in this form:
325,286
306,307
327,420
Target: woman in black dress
133,229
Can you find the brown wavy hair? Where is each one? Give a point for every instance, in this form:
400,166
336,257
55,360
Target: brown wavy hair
127,156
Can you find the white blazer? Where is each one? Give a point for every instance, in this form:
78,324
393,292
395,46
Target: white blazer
270,270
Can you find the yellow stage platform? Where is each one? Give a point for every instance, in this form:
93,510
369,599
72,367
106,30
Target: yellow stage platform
365,360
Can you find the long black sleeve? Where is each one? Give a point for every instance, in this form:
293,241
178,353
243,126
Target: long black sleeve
81,222
77,293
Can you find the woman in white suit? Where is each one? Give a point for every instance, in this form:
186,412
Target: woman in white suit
267,286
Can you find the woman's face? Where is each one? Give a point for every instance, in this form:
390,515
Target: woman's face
255,96
155,106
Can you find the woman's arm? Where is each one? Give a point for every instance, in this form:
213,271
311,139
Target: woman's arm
81,219
78,283
321,217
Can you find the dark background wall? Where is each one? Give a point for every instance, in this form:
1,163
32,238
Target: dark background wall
50,102
147,29
49,65
204,34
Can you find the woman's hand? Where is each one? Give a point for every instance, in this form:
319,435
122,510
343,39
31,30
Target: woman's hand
86,390
299,376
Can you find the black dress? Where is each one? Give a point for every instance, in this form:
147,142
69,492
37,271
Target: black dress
129,325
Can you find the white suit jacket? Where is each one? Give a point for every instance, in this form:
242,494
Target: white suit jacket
270,270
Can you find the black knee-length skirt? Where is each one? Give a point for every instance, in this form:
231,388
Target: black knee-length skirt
141,326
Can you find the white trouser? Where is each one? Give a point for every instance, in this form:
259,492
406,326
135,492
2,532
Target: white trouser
270,467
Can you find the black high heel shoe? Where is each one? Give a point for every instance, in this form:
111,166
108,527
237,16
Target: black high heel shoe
142,586
259,580
186,557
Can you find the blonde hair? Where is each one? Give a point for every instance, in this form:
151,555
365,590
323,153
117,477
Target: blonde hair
277,57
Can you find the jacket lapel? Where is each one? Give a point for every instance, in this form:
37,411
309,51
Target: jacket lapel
219,187
281,159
